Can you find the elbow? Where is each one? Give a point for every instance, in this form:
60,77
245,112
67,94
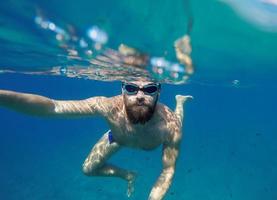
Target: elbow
44,108
169,170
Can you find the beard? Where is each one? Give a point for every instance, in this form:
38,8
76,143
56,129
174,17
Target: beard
139,114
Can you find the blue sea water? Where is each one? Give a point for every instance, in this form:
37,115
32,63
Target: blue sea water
229,146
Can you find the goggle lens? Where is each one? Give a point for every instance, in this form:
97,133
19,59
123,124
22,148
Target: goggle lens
150,89
131,88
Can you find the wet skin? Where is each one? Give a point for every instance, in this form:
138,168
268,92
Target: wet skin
162,127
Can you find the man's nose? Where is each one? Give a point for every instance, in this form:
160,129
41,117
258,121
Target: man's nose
140,96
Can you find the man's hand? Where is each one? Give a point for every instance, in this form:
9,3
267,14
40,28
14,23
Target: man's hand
170,154
26,103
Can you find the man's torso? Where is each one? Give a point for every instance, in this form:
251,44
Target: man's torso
146,136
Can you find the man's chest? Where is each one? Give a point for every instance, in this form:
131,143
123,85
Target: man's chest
147,137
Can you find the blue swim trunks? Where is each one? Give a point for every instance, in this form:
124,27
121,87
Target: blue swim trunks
110,137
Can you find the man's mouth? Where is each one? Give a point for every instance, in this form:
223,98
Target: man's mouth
141,104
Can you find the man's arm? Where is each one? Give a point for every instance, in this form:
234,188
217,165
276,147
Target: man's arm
43,106
170,154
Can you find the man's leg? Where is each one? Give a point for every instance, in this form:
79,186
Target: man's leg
95,164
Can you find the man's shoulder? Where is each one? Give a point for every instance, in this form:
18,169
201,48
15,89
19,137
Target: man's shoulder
162,109
167,115
106,100
105,105
114,101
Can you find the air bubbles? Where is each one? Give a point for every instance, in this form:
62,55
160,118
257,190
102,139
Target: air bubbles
166,69
63,70
72,52
92,48
83,43
38,20
45,24
60,33
98,35
235,83
176,70
175,67
59,37
89,52
159,65
159,62
52,26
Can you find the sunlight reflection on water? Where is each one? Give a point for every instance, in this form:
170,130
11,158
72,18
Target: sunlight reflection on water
262,13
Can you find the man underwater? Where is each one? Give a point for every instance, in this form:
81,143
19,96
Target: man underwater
135,119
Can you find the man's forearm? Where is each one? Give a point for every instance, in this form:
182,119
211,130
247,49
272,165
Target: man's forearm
162,185
27,103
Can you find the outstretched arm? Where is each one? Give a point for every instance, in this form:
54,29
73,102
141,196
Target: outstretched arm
170,154
43,106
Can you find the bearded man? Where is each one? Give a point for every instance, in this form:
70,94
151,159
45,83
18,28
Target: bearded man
135,119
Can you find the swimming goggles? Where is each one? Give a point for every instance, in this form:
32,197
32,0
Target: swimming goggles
150,89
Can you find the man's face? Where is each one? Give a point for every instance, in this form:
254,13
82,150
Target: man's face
140,99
